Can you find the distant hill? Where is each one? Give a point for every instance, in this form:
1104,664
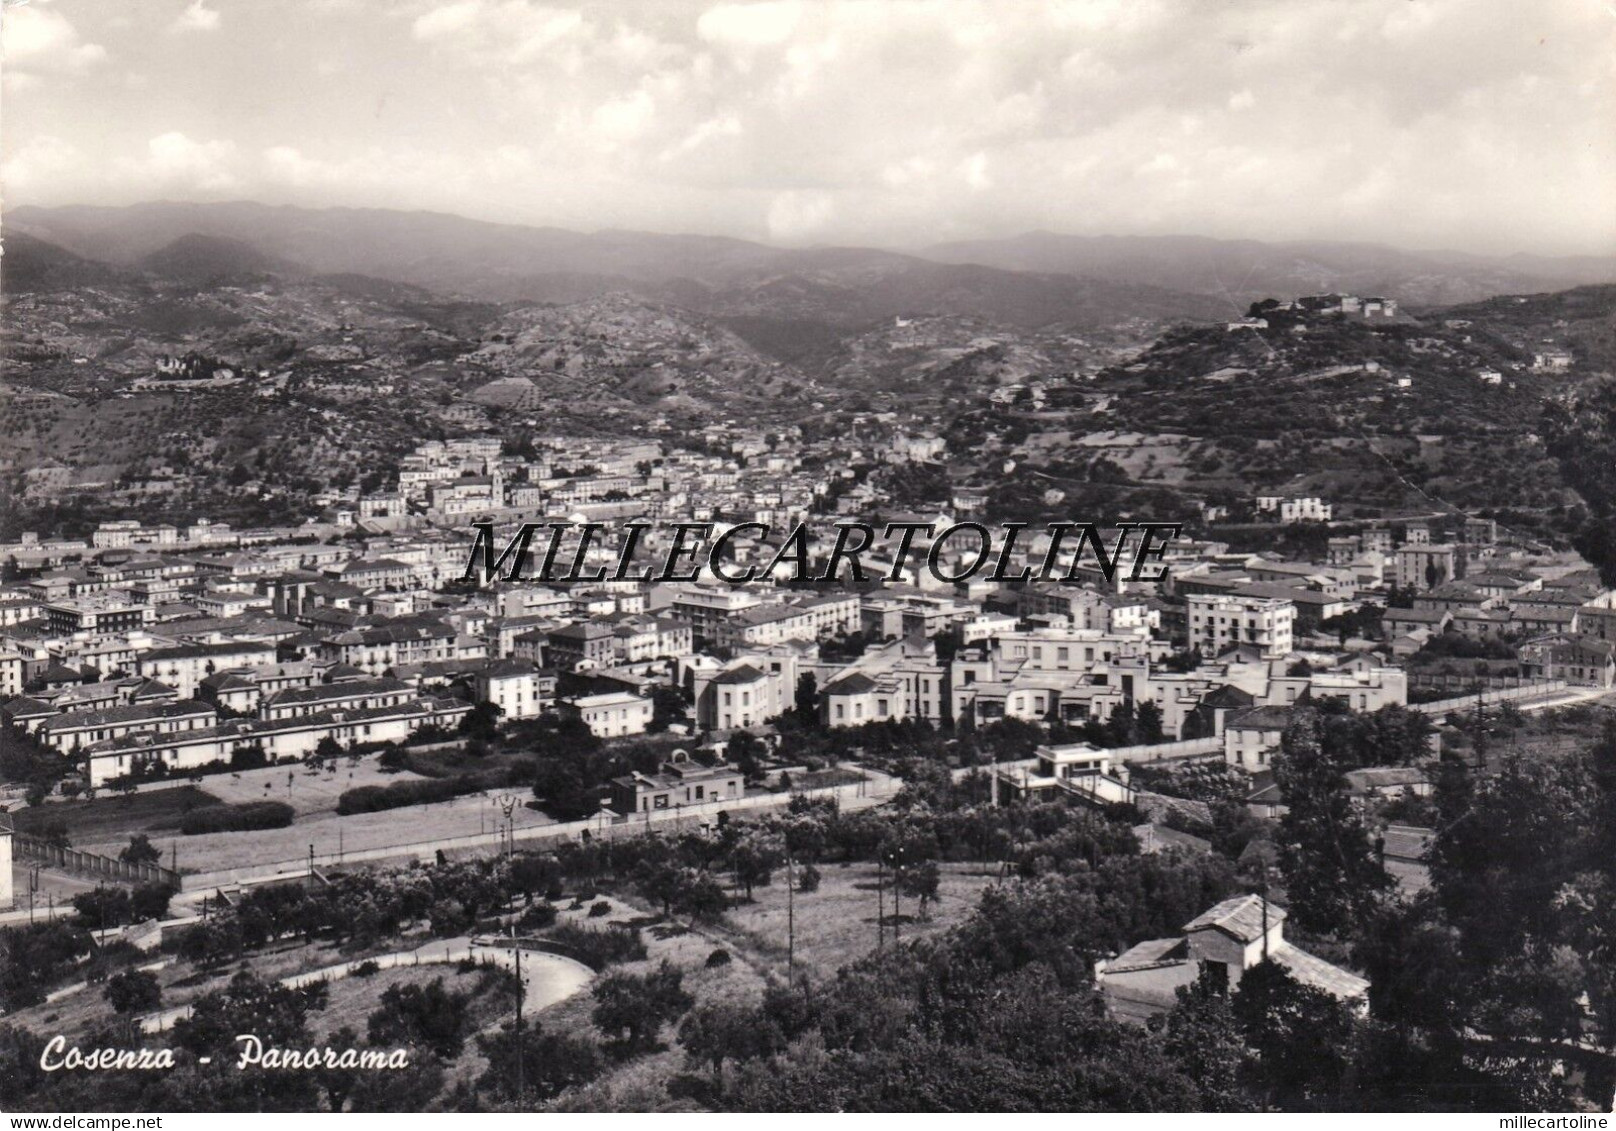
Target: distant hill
1247,270
499,262
31,264
200,258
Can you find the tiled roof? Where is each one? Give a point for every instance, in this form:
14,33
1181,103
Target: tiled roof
1240,916
855,683
1153,952
1313,971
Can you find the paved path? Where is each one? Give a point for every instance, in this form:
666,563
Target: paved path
548,978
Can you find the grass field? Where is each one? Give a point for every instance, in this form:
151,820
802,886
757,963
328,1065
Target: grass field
106,824
112,820
307,789
837,924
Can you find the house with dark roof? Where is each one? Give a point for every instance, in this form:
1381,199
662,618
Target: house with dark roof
746,694
1221,943
1401,622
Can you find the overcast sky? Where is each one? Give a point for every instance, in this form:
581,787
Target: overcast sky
1485,125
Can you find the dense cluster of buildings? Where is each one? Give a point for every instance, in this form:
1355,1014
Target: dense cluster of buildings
162,650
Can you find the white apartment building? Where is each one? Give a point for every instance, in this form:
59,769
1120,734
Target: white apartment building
1219,622
612,714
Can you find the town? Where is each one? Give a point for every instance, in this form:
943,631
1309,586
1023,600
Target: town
215,738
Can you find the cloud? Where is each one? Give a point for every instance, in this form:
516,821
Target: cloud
196,18
748,26
507,32
40,161
38,40
797,217
174,161
1419,121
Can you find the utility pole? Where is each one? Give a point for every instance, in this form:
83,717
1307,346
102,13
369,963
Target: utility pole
880,905
791,916
521,992
508,801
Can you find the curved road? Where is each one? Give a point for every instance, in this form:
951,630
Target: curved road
548,978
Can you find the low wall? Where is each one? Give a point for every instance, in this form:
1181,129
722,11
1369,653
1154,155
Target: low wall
89,864
1486,698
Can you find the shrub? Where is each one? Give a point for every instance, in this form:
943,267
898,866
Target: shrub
366,969
376,798
808,879
238,817
134,991
596,947
600,909
719,957
537,917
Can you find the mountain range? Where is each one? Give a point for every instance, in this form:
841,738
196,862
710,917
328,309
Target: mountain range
1036,279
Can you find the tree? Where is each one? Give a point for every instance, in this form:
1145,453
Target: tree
659,882
745,750
550,1062
1331,871
1148,723
134,991
720,1030
632,1008
920,882
807,699
428,1016
753,860
1301,1038
1204,1039
667,708
141,851
482,721
103,907
700,896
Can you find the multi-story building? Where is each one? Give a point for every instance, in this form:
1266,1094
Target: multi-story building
345,695
587,642
1424,566
611,714
374,650
519,689
99,613
1220,622
184,666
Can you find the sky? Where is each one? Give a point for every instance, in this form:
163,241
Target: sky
1477,125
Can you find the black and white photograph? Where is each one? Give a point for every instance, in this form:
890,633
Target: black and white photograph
807,556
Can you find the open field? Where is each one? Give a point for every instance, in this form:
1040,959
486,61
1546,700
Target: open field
112,819
463,816
837,924
106,824
307,789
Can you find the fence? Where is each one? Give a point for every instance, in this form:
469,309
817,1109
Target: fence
89,864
